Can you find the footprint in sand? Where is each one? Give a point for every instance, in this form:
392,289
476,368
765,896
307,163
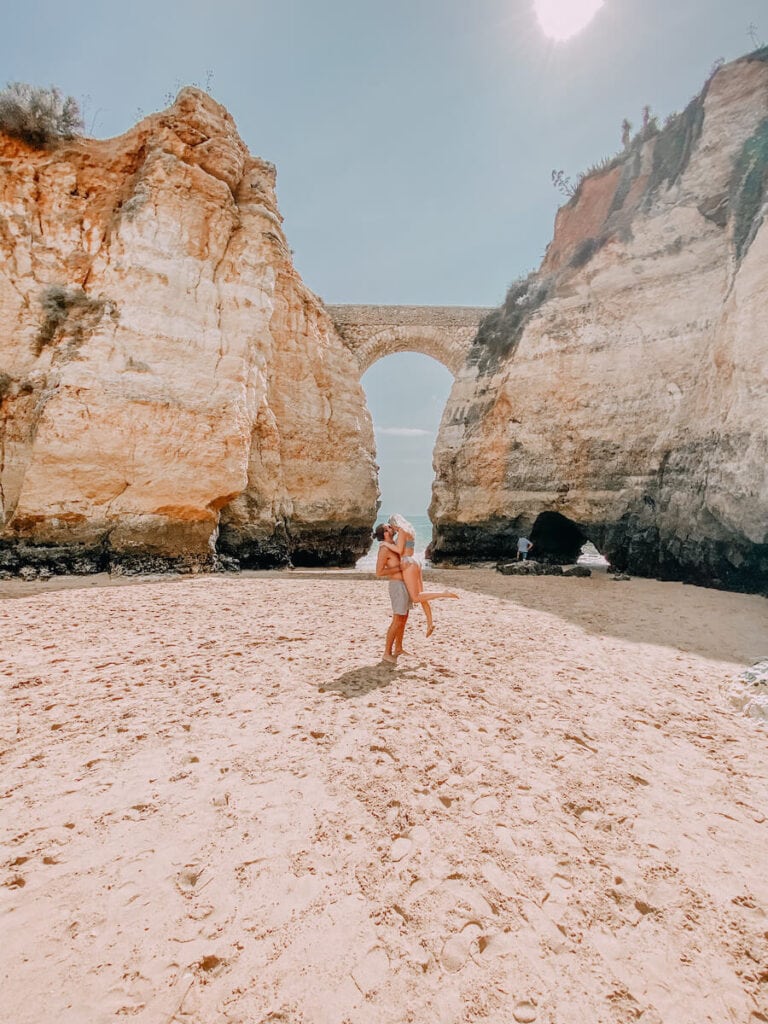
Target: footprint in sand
393,810
201,912
526,810
400,848
187,879
505,838
485,804
495,945
371,973
524,1012
458,948
506,883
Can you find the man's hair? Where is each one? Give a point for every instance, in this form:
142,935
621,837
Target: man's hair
378,533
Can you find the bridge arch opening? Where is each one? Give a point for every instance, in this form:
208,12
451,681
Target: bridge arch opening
406,393
426,341
443,332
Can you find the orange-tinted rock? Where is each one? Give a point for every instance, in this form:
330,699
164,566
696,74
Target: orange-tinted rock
620,394
164,372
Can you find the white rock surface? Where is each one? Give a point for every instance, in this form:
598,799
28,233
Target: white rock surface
191,384
625,387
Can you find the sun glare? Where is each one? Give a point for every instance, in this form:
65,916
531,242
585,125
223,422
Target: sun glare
561,19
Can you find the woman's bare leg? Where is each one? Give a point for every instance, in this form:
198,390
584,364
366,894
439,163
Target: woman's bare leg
415,585
414,582
427,609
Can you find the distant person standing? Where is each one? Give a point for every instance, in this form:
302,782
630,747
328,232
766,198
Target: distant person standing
523,547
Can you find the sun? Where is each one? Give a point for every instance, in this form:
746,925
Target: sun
561,19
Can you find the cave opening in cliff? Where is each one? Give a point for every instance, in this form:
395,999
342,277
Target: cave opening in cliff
558,539
406,394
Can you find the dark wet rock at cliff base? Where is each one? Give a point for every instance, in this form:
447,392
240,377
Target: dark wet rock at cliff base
516,568
141,564
633,544
529,568
225,563
578,570
51,560
491,540
313,545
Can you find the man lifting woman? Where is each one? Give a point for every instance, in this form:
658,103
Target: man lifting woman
397,562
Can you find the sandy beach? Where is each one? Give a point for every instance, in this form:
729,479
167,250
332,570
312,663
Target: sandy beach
218,806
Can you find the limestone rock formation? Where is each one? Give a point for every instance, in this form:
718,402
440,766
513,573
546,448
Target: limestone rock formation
621,393
169,388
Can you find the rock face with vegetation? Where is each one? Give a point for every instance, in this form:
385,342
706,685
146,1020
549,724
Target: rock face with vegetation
620,394
170,391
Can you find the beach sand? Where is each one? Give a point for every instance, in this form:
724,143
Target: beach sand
218,806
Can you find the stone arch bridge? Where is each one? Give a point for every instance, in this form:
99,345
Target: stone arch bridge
443,332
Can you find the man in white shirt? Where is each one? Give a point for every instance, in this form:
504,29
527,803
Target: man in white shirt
523,547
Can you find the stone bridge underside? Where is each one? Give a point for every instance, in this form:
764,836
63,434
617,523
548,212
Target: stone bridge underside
443,332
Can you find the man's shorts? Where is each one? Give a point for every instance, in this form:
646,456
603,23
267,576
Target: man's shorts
398,595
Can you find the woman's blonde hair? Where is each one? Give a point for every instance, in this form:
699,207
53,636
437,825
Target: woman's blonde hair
401,524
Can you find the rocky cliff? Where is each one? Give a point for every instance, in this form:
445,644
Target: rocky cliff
170,391
171,394
621,392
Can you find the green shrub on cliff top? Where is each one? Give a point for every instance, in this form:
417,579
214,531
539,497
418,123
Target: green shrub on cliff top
39,117
499,333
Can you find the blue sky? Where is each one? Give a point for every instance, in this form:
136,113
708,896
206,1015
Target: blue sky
414,139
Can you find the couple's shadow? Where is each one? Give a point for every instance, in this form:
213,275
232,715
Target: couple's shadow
359,681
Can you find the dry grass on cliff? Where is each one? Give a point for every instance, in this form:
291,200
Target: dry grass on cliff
40,117
219,806
69,313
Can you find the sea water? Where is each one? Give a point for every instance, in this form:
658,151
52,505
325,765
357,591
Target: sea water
421,524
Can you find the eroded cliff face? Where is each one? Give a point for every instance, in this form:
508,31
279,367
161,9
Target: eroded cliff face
169,388
621,393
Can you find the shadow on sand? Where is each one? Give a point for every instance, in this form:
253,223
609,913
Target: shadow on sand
642,611
359,681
